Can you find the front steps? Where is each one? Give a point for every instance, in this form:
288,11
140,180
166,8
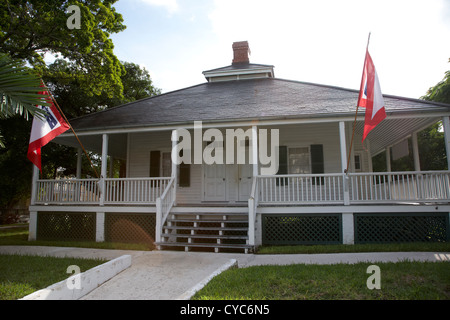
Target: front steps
206,229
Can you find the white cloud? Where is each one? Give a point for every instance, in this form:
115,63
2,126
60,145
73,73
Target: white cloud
170,5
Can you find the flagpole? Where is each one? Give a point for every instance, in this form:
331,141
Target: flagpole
357,107
76,136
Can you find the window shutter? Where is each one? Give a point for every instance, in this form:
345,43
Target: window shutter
317,164
155,159
283,164
185,175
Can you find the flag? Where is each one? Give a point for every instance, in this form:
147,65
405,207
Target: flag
370,97
44,130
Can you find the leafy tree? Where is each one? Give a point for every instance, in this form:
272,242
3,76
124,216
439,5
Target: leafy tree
57,159
63,79
31,28
441,91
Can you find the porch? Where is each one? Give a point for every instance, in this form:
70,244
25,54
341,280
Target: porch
331,202
412,187
236,206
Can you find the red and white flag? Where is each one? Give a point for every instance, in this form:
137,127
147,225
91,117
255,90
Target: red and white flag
44,130
370,97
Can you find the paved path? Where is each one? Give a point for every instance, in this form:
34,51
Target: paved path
177,275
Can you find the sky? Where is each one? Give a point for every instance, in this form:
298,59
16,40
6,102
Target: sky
318,41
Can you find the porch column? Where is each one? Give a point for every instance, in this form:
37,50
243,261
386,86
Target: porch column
174,165
34,180
388,159
255,150
104,155
344,162
32,226
104,168
415,152
343,145
79,155
446,125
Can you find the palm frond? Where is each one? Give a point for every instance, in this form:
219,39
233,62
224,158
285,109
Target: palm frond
20,90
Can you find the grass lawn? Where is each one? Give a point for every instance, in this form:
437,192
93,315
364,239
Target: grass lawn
404,280
18,235
399,281
22,275
342,248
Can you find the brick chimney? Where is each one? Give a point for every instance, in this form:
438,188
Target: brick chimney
241,52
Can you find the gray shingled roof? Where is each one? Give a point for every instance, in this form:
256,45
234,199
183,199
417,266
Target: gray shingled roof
269,98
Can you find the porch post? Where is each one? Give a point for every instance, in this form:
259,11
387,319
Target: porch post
79,155
104,168
388,159
343,145
255,150
174,166
344,162
32,226
34,180
415,152
446,125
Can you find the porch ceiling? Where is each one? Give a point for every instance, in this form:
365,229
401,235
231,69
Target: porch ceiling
117,143
392,131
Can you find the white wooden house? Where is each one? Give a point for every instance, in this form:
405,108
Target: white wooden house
310,200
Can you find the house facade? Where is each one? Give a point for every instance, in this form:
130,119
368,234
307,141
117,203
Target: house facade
226,194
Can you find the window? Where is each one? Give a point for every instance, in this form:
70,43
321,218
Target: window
299,161
358,162
161,166
166,164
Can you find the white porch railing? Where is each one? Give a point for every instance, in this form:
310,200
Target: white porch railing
418,186
88,191
301,189
134,190
163,206
369,187
60,191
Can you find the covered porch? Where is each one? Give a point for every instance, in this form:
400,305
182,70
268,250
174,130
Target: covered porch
338,191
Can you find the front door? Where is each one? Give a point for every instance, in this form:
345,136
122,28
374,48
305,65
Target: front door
245,181
215,185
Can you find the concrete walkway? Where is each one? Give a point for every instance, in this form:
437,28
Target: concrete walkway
169,275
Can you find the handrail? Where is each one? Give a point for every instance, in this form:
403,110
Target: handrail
252,206
163,206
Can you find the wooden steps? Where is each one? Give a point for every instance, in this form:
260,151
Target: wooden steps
204,230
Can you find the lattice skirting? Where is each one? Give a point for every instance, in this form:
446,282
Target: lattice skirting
75,226
290,229
132,228
396,227
66,226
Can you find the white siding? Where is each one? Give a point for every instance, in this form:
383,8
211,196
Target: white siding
304,135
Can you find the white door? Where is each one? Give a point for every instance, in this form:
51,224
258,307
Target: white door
245,181
215,184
